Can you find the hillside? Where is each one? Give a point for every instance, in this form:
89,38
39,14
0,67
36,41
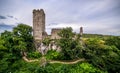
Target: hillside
92,53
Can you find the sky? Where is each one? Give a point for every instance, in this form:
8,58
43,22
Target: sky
95,16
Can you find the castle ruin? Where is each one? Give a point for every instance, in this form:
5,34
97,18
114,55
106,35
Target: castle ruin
39,32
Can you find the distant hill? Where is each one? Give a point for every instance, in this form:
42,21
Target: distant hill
95,35
4,27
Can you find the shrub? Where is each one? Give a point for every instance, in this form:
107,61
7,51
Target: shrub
52,54
85,68
35,54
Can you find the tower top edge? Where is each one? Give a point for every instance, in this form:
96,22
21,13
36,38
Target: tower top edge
38,10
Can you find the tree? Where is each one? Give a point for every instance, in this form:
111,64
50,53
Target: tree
70,47
23,37
7,51
12,44
66,33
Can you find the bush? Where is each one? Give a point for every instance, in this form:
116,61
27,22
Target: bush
46,41
35,54
85,68
52,54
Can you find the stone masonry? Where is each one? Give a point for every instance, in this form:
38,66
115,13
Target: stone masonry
54,33
38,24
81,31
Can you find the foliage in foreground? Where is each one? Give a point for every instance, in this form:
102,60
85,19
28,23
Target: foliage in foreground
21,66
104,57
13,45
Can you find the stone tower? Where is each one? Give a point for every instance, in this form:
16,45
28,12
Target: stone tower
38,24
81,31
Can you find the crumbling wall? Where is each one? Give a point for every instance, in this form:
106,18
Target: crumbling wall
54,33
42,48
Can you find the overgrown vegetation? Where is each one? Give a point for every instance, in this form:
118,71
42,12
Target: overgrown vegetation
102,54
71,47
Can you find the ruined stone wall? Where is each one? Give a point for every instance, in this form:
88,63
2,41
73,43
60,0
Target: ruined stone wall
38,24
54,33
